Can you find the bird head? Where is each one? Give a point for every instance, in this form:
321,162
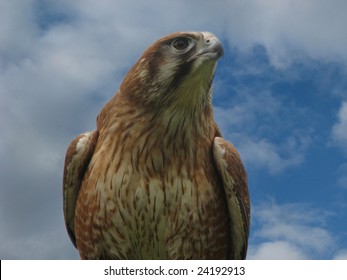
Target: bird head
177,69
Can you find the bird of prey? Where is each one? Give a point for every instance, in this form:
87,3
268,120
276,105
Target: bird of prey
156,180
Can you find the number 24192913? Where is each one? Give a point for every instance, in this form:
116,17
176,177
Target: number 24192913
221,270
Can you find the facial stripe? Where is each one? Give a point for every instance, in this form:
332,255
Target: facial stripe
182,71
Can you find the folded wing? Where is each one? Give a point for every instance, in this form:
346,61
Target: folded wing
77,158
234,179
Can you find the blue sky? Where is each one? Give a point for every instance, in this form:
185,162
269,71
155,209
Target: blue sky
280,95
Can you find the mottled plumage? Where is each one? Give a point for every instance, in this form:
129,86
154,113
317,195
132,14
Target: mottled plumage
155,180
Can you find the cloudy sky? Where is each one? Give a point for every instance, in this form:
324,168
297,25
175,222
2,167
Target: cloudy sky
280,95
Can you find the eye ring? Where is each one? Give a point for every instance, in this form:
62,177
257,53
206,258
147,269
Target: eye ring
180,44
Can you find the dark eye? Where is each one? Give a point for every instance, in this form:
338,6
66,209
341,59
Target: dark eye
180,44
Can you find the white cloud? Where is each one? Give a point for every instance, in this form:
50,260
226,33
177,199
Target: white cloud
341,255
275,158
18,31
276,250
38,245
339,137
289,231
287,28
339,131
342,173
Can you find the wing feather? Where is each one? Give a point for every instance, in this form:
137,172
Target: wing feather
234,178
77,158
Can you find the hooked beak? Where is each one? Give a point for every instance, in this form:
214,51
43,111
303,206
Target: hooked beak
213,49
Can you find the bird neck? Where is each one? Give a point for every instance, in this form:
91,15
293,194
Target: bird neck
187,122
178,124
